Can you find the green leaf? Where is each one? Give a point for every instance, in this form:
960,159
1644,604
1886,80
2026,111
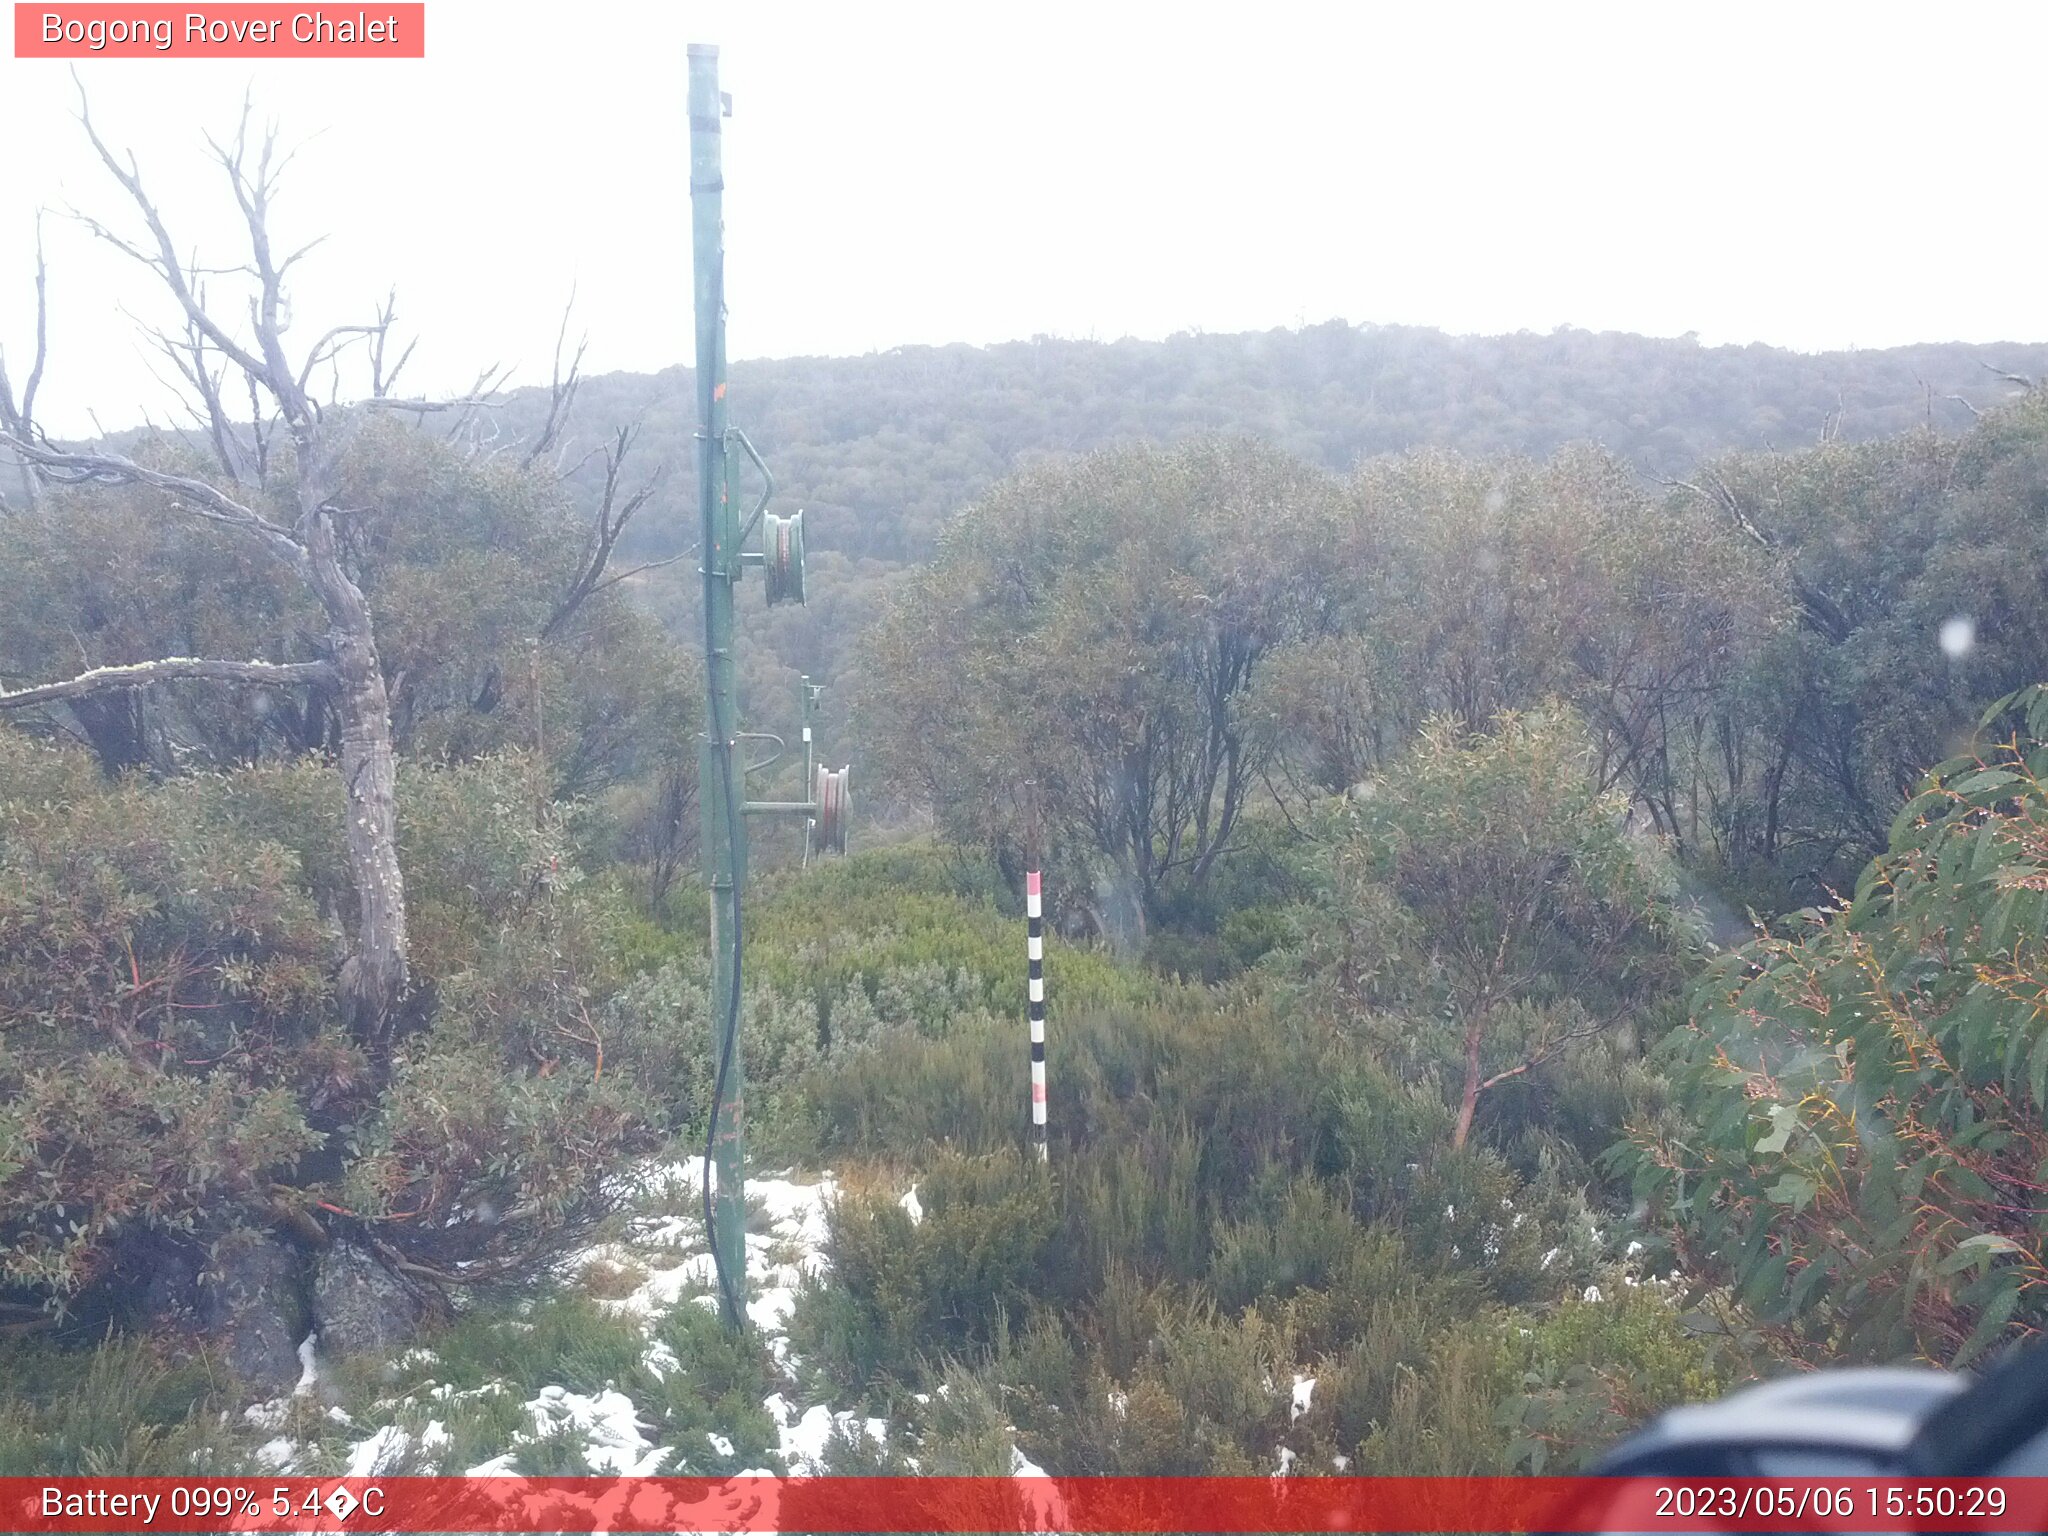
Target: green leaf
1784,1119
1766,1283
1989,778
1975,1250
1996,1315
1795,1190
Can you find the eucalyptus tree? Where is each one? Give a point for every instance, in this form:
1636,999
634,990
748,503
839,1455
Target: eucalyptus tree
1083,651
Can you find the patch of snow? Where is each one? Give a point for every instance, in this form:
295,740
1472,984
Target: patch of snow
910,1203
443,1392
1548,1257
276,1455
381,1453
660,1360
1304,1392
1286,1462
719,1443
796,1210
497,1466
1591,1293
309,1365
609,1423
803,1442
268,1416
770,1310
1341,1463
1044,1508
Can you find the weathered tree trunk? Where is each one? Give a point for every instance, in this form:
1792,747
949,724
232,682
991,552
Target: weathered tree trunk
373,978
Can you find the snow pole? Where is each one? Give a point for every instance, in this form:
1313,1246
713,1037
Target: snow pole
1034,920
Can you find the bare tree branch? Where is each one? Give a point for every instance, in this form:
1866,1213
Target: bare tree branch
189,357
642,569
480,394
17,418
196,496
1551,1046
561,391
165,262
170,669
381,381
610,522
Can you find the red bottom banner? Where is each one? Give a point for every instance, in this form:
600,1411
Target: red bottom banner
882,1506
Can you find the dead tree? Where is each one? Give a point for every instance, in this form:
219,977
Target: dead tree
220,360
18,415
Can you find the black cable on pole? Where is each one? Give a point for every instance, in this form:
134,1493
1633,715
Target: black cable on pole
729,1035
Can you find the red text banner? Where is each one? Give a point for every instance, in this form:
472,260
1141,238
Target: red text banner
224,31
881,1506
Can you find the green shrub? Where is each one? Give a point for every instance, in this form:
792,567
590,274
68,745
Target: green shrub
1300,1246
111,1410
905,1292
1591,1371
170,1058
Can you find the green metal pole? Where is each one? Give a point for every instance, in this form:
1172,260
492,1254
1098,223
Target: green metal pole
719,789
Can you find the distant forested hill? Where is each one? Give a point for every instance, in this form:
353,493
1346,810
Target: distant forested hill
881,450
884,448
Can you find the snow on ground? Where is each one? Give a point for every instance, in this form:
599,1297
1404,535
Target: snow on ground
610,1425
1043,1506
382,1452
803,1436
664,1258
1304,1391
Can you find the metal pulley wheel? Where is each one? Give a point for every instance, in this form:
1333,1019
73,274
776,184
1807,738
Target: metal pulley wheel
783,557
833,791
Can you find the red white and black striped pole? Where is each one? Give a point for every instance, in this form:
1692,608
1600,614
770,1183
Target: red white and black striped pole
1035,942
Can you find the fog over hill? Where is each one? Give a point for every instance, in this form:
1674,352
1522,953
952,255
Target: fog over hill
881,450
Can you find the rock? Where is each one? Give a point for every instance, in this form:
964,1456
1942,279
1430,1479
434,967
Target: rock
243,1297
361,1307
253,1304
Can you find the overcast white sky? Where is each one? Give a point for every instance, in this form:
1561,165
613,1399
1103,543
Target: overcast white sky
1810,175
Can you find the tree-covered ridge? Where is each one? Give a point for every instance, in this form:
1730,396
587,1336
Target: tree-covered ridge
883,449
